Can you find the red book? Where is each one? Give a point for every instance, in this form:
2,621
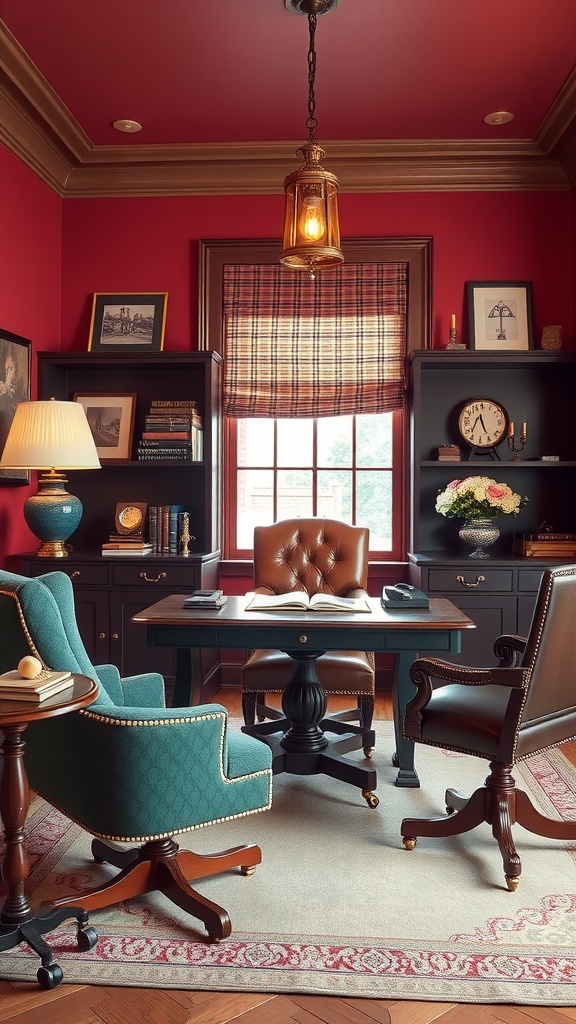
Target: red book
173,435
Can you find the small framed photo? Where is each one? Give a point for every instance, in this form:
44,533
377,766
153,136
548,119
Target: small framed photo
111,422
14,388
500,315
128,322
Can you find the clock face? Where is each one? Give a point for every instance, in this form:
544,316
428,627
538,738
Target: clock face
130,518
483,422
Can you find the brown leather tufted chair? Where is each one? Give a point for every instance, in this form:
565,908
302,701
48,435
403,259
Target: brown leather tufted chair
503,714
317,556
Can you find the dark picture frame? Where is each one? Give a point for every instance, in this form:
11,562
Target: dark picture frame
500,315
111,421
14,388
128,322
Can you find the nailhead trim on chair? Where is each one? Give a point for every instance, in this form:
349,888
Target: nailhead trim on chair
29,640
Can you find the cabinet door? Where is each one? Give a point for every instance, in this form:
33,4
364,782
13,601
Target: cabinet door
128,647
493,615
93,623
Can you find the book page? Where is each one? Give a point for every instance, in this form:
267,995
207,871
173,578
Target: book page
296,601
333,603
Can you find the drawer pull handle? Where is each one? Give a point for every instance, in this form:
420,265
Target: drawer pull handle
303,639
479,579
160,576
115,636
101,636
74,575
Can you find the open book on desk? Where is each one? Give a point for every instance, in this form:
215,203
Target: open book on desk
298,600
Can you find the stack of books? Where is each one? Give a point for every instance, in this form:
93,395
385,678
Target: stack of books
46,684
448,453
207,599
544,545
172,432
120,545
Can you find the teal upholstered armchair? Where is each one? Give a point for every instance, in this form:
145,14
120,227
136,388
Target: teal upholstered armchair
126,768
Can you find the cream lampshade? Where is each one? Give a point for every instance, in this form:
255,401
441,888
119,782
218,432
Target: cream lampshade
51,436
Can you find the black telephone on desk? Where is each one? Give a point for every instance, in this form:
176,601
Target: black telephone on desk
403,595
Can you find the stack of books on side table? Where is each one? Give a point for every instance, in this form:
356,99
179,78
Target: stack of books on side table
46,684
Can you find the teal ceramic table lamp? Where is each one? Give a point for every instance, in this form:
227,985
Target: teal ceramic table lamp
51,436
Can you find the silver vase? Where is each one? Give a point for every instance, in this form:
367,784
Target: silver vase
480,533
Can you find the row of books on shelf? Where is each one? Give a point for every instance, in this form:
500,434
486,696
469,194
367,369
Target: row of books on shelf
168,529
172,432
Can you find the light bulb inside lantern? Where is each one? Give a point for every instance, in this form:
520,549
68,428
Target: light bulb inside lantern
312,226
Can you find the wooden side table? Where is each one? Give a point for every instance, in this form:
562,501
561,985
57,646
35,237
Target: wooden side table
18,922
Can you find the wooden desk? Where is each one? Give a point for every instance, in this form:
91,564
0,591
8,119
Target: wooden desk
18,922
302,747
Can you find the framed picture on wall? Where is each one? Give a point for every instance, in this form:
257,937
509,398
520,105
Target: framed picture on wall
500,315
14,388
128,322
111,422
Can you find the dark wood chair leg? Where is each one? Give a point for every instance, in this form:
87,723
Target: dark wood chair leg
534,821
160,865
471,814
249,708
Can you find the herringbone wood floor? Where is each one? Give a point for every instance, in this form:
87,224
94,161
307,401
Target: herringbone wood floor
26,1003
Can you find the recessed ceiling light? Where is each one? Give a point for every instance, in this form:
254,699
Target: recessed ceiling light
499,117
125,125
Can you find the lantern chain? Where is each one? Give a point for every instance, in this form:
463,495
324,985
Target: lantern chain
311,122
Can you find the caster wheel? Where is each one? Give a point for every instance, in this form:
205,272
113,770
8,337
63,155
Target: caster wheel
248,870
49,977
368,751
409,843
512,883
87,939
371,799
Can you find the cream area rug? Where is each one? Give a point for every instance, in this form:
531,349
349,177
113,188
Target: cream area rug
338,906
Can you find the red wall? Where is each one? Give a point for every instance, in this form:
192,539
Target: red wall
30,297
54,254
151,245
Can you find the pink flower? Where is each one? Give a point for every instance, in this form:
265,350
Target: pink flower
495,492
453,485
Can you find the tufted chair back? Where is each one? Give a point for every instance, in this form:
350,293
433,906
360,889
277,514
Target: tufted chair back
315,555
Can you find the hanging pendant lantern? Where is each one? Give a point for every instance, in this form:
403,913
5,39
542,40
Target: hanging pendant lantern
311,238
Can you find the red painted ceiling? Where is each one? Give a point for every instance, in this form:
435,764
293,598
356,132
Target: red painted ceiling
236,70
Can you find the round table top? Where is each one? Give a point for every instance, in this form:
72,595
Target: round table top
81,692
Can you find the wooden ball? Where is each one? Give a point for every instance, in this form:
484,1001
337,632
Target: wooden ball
29,667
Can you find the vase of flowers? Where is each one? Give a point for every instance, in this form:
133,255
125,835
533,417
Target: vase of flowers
479,500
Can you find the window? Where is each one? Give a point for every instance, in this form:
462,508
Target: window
350,466
340,467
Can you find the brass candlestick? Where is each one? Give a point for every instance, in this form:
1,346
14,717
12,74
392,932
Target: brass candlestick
516,448
186,536
453,342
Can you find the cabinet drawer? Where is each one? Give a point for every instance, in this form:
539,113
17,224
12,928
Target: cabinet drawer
180,577
82,574
476,578
529,579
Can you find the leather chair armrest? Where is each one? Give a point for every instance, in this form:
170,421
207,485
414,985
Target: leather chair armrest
429,674
507,649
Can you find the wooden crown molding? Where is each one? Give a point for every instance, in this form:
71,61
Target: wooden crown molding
42,132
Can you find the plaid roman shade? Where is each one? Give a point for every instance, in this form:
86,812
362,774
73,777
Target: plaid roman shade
329,347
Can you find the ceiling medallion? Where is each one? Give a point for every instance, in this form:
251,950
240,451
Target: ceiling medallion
125,125
499,117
